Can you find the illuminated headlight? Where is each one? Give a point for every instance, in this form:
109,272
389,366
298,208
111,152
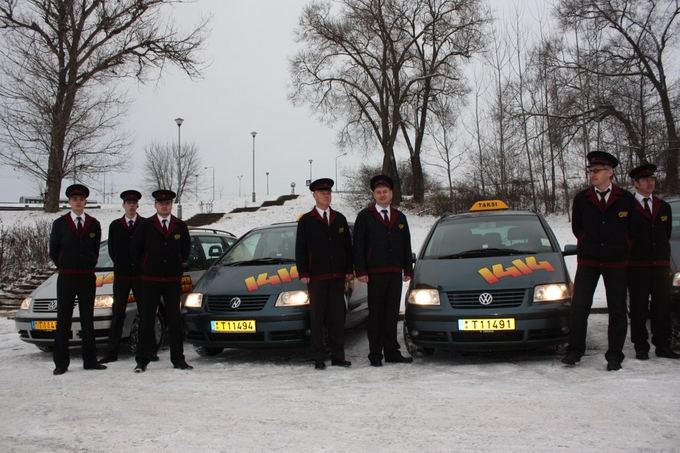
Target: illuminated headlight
103,302
26,303
424,297
676,281
193,300
555,292
292,299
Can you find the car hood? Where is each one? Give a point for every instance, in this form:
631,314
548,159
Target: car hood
267,279
48,288
495,272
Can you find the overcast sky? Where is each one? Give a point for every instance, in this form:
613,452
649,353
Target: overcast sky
243,89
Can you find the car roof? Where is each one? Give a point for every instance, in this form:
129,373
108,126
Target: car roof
198,230
500,212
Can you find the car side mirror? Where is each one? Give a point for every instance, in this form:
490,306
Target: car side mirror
569,249
215,251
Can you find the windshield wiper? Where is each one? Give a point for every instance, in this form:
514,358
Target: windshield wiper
254,262
485,252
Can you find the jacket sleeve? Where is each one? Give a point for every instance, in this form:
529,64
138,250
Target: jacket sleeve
576,225
669,224
301,249
55,243
348,248
137,242
111,242
408,253
360,245
97,227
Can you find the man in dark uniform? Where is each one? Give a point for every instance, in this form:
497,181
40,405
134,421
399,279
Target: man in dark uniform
323,254
600,222
161,245
383,259
74,249
126,271
649,272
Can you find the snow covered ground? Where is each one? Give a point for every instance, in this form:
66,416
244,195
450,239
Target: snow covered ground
275,401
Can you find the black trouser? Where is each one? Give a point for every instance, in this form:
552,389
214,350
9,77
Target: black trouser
152,292
584,288
384,294
327,307
121,293
68,287
644,282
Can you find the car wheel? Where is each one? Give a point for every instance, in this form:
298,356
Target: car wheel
205,351
160,332
45,348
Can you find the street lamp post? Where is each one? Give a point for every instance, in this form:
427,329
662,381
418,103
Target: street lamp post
196,175
240,177
336,170
253,134
179,122
310,170
267,173
213,181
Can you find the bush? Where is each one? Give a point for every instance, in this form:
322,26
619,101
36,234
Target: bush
24,250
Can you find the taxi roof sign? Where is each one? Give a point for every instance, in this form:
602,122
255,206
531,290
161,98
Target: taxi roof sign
488,205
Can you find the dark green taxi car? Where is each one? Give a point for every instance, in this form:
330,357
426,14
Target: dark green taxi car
489,279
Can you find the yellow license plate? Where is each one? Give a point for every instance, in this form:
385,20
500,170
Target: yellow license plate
486,325
44,325
233,326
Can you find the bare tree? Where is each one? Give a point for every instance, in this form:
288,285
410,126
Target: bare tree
161,170
59,59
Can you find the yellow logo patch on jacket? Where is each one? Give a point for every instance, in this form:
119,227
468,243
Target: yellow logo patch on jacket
92,235
341,230
664,218
177,236
623,214
401,226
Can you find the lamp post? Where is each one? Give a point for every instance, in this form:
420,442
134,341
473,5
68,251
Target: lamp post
179,122
213,181
310,170
196,175
240,177
253,134
267,173
336,169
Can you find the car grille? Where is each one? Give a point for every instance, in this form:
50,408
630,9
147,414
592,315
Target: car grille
43,305
501,298
248,303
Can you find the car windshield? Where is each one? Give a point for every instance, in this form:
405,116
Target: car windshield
104,262
675,209
487,236
271,245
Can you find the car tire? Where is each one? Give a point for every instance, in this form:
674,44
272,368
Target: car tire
45,348
160,329
206,351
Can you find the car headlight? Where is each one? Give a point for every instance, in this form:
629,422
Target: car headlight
424,297
26,303
676,280
193,300
553,292
292,299
103,301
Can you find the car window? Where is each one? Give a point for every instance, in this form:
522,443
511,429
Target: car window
269,243
104,261
675,208
214,243
455,236
196,260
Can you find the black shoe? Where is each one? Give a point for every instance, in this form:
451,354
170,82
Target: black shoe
95,366
182,366
342,363
572,358
667,353
108,358
399,359
319,365
642,355
59,370
154,358
140,368
613,366
376,362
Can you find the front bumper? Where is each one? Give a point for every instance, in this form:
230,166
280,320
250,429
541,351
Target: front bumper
272,329
535,326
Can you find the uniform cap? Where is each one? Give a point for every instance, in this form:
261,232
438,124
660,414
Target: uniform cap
321,184
130,195
602,158
163,195
643,171
382,180
77,190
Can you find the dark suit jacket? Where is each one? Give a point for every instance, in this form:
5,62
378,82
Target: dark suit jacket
73,252
650,234
120,248
161,255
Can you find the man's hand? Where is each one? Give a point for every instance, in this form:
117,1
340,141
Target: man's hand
304,280
363,279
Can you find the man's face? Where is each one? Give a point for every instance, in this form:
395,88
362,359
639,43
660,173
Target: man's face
77,203
600,175
322,198
382,195
130,207
645,186
163,208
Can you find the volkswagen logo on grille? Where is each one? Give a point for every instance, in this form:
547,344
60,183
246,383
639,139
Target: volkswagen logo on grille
235,302
485,298
52,305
